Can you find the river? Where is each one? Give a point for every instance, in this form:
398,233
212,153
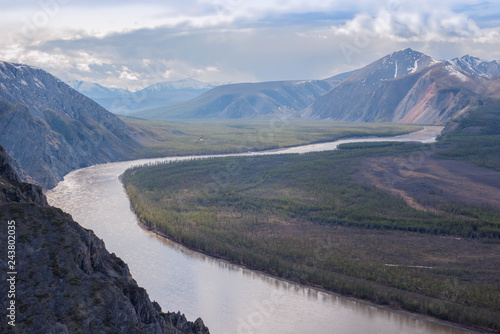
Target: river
230,299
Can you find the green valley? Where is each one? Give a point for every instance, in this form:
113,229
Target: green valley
324,219
215,137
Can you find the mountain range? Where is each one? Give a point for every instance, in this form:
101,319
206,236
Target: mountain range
51,129
124,102
406,86
247,100
477,66
48,129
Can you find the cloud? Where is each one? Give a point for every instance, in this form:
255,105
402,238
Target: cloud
127,44
127,74
417,24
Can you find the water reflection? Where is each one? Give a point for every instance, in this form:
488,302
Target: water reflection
229,298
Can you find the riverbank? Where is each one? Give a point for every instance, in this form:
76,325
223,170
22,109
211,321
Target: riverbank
393,309
279,218
163,139
181,279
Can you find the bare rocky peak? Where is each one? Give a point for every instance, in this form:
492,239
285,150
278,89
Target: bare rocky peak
394,66
477,66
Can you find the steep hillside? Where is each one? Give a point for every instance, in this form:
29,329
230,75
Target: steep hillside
246,100
51,129
406,87
474,136
64,280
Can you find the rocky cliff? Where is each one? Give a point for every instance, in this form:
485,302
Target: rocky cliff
64,280
51,129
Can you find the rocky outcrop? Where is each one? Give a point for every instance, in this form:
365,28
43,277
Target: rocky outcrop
51,129
66,281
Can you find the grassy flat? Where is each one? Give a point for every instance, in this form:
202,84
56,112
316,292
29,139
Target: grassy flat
211,137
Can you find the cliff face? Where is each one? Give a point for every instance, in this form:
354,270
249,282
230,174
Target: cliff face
66,281
51,129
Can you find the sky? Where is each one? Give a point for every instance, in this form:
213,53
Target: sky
132,44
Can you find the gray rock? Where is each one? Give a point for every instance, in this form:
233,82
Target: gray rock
51,129
67,281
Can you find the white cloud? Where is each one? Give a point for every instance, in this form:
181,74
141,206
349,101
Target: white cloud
417,24
236,40
127,74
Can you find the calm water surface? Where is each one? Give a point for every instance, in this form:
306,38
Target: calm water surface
230,299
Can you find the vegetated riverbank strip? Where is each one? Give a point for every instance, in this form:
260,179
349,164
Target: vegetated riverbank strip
218,255
397,242
317,287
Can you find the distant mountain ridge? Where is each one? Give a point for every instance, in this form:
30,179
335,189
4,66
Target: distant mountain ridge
477,66
405,86
393,66
124,102
247,100
51,129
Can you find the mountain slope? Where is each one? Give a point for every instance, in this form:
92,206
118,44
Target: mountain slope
477,66
406,87
51,129
120,101
245,100
67,281
108,98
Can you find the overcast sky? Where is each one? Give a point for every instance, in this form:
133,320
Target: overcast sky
131,44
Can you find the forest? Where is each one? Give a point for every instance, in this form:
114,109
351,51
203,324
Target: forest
307,219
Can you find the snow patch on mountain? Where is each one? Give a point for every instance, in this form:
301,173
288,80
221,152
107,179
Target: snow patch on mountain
454,72
477,66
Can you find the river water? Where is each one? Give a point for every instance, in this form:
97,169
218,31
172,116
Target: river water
230,299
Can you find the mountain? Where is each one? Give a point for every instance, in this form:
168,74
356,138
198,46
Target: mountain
396,65
66,281
406,87
120,101
51,129
104,96
477,66
246,100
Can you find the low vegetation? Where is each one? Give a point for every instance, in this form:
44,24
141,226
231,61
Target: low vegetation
302,217
476,138
307,218
211,137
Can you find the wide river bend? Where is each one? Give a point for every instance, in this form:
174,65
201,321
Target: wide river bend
230,299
